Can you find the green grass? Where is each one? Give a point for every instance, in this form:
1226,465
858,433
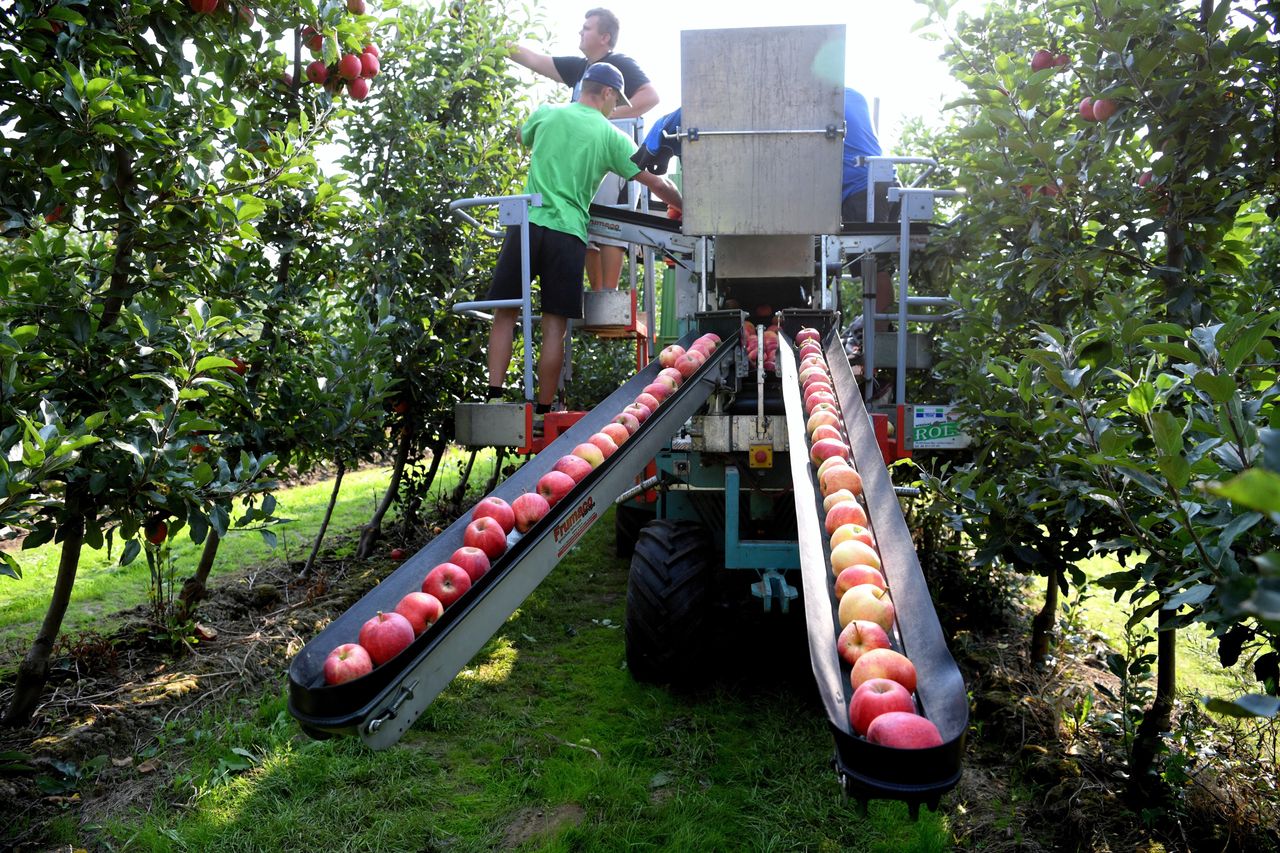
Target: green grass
103,587
1199,672
545,721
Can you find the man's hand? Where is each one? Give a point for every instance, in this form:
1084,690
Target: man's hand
540,63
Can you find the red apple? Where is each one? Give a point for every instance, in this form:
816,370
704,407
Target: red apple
1041,60
529,509
834,498
487,535
385,636
1061,61
814,397
818,383
867,601
1145,178
359,88
845,512
554,485
398,554
347,661
857,574
840,477
845,532
808,334
669,355
318,72
604,443
674,375
687,365
472,560
853,552
422,609
639,411
617,432
832,462
370,65
884,663
1104,108
826,448
313,39
575,466
447,582
876,697
825,431
712,339
629,421
1086,109
644,398
356,7
820,417
373,48
349,66
497,509
810,348
903,730
658,390
204,7
591,453
858,638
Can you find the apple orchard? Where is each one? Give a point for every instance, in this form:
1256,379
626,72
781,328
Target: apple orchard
193,309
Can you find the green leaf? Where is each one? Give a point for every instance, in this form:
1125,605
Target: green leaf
1247,344
1255,488
1176,469
1167,432
1249,705
1195,595
1142,399
1220,387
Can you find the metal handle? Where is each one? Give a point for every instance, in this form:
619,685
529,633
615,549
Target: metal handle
406,693
831,131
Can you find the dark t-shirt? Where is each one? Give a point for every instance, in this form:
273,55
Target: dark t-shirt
571,69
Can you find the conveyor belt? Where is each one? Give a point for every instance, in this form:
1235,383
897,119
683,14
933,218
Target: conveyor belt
380,707
867,770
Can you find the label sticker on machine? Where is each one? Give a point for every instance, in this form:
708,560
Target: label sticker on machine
937,428
568,531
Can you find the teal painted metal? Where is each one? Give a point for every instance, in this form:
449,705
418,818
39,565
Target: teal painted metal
750,553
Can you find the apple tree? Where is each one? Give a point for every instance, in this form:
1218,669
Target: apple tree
130,218
1114,200
441,126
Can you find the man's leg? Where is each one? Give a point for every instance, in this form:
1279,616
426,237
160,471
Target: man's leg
551,359
595,274
501,335
611,265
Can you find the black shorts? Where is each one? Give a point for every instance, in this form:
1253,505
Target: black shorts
555,261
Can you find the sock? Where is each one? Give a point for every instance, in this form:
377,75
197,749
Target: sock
495,392
541,408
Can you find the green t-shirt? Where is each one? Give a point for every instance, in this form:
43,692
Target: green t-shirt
573,148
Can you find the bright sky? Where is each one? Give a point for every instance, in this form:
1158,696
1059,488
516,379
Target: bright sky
884,59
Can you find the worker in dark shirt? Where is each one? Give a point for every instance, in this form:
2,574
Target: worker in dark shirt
597,39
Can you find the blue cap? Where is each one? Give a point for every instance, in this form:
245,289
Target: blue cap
608,75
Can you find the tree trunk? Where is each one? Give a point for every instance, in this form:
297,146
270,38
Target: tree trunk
1042,624
414,502
33,672
499,458
324,523
460,491
121,289
195,589
1144,783
373,530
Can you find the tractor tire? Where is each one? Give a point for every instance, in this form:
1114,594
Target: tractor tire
669,594
627,522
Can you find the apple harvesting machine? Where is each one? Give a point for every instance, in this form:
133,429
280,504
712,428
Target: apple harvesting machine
717,489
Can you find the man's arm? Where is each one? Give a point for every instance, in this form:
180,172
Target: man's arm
661,187
534,61
645,99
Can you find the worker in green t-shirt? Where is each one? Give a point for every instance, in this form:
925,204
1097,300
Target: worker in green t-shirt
571,148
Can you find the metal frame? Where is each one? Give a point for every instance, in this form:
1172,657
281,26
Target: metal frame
512,210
